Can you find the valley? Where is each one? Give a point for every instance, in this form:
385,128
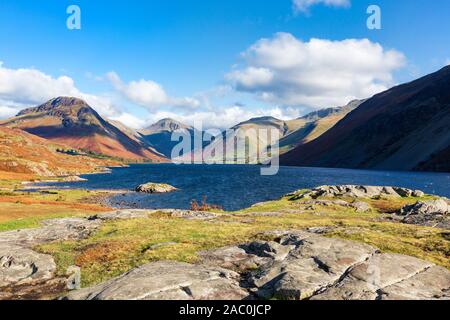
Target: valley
96,224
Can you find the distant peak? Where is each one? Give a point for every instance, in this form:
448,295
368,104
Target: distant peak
167,124
260,120
168,120
66,101
265,118
323,113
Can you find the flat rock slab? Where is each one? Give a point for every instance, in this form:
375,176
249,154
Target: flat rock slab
311,264
24,266
167,280
299,265
121,215
367,280
190,215
431,283
233,258
51,230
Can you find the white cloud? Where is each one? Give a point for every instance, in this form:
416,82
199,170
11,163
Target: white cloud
225,117
6,112
25,87
149,94
304,5
130,120
447,62
317,73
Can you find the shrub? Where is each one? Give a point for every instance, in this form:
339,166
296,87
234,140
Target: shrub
204,206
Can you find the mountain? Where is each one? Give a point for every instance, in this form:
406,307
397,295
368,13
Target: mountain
245,140
404,128
72,122
165,125
314,124
159,135
26,155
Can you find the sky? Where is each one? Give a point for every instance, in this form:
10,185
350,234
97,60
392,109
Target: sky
216,62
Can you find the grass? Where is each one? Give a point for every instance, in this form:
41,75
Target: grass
121,245
19,210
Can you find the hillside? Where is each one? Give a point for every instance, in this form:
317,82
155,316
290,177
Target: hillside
23,155
247,138
314,124
70,121
404,128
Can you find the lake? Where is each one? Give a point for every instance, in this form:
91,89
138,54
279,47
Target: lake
239,186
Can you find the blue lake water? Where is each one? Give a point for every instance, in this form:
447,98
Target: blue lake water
239,186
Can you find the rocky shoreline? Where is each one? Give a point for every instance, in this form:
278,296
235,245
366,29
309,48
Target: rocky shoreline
280,264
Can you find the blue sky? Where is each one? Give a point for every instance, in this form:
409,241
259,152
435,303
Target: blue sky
137,61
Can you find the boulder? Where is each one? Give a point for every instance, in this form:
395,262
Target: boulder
155,188
24,266
361,207
418,194
439,206
166,280
433,213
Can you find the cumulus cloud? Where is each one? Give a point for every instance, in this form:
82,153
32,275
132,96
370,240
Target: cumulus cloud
304,5
25,87
317,73
149,94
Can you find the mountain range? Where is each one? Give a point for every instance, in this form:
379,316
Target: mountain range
314,124
159,135
404,128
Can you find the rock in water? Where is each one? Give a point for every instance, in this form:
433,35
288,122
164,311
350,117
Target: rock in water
165,280
155,188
